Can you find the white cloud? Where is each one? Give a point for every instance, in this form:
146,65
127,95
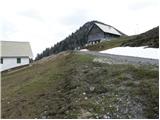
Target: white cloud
45,22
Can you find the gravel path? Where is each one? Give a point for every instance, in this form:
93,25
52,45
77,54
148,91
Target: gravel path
123,59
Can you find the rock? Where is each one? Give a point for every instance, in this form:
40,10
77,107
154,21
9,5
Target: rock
46,106
129,116
45,112
92,89
44,117
108,113
85,114
106,116
117,116
84,93
102,60
97,102
67,111
117,108
85,98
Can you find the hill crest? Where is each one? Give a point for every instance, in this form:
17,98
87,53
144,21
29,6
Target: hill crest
74,40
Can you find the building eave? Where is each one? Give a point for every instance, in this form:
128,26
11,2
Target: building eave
15,57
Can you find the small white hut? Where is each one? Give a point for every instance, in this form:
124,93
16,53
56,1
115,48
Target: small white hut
14,54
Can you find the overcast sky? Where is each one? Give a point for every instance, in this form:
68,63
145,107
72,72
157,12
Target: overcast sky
45,22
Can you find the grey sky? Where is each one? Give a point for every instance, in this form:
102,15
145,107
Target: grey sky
45,22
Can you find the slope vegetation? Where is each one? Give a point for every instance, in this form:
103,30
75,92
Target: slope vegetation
72,85
74,40
149,38
116,42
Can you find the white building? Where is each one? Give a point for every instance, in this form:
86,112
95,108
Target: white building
14,54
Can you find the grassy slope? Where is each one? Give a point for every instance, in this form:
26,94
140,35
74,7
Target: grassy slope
73,86
116,42
149,38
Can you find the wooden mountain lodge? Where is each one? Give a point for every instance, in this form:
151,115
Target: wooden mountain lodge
100,31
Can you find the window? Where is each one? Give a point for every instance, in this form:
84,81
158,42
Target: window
1,60
18,60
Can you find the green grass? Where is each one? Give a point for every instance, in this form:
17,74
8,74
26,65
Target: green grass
149,38
61,88
116,42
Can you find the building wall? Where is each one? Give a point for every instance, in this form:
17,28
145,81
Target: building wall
110,36
95,34
12,62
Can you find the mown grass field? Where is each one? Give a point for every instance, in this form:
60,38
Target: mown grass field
71,85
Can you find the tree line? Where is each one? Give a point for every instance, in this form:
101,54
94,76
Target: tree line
73,41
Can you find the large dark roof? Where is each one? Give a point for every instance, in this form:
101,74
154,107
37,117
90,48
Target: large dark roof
108,28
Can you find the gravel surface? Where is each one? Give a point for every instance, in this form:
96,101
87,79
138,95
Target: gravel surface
119,59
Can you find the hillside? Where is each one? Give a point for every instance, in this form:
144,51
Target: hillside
79,39
149,38
75,40
73,85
